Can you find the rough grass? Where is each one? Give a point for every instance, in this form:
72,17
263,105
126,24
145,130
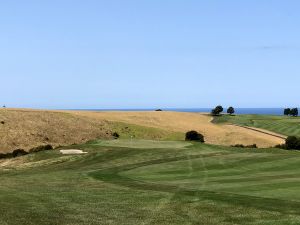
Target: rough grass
197,184
289,126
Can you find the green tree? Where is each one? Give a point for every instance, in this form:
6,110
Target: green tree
217,110
294,112
230,110
287,111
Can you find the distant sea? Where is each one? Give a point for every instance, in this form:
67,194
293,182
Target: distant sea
260,111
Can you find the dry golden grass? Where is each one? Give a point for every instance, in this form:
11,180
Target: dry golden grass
30,128
182,122
25,128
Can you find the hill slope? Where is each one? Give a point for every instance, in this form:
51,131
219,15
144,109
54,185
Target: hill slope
24,128
222,134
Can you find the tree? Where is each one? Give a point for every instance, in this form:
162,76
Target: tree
294,112
287,111
230,110
217,110
194,136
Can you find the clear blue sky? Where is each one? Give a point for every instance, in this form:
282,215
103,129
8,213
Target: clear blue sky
149,53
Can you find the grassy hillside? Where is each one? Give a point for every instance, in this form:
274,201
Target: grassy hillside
183,122
279,124
30,128
157,183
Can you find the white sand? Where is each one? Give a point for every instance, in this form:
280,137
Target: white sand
72,152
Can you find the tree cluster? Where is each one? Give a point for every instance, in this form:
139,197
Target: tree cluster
219,109
291,112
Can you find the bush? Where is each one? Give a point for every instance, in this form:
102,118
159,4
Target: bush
292,142
115,135
5,155
194,136
244,146
19,152
282,146
158,110
41,148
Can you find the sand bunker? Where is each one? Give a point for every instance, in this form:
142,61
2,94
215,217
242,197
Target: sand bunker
72,152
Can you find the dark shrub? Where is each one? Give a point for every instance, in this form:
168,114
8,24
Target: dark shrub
115,135
19,152
292,142
158,110
41,148
194,136
282,146
244,146
251,146
238,146
5,155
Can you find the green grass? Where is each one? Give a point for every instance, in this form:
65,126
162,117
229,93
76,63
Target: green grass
153,183
128,131
141,144
289,126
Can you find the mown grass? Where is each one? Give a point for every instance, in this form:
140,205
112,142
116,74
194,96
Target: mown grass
161,183
289,126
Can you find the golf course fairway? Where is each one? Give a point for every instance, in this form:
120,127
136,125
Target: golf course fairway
171,182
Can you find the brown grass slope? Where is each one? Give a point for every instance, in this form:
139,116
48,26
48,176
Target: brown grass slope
30,128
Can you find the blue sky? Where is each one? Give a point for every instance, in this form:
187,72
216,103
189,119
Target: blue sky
149,53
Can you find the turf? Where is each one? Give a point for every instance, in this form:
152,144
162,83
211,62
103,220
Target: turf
162,183
279,124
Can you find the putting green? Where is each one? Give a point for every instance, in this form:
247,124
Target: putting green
134,143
